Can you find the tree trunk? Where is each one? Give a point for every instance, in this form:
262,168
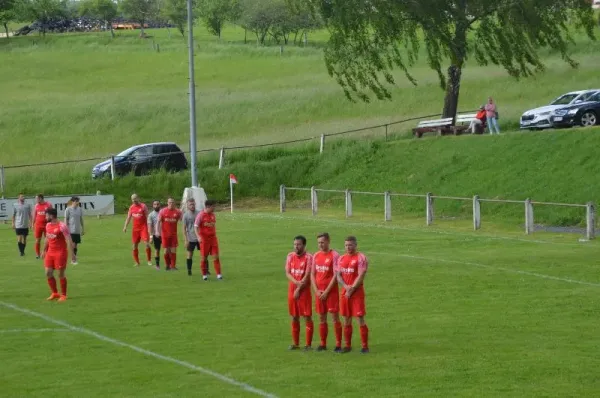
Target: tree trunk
452,91
245,36
112,31
142,34
6,29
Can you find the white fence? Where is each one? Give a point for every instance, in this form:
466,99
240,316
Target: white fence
429,200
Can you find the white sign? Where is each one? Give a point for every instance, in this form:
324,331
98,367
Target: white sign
92,205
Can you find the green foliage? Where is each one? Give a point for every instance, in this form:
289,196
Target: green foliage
140,10
215,13
102,9
175,11
7,13
42,11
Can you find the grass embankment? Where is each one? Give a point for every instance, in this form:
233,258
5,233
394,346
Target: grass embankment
557,167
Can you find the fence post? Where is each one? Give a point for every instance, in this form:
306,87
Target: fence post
590,221
429,208
348,203
282,198
528,216
313,200
112,168
476,213
387,205
386,132
221,158
322,143
2,181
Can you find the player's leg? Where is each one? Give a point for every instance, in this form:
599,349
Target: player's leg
214,251
20,240
191,246
204,253
167,255
37,234
337,326
323,327
364,334
146,239
345,312
295,317
173,252
157,243
63,279
49,267
135,239
305,307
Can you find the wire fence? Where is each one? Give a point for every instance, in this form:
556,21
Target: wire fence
141,161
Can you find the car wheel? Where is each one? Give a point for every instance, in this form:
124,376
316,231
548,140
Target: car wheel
589,118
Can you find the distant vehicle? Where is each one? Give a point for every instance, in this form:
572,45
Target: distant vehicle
142,159
596,4
539,118
583,114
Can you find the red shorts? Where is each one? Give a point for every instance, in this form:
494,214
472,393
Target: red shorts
330,304
55,260
170,241
38,232
302,306
209,246
353,306
140,235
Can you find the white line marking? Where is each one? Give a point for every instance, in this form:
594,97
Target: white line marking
399,228
149,353
3,331
513,271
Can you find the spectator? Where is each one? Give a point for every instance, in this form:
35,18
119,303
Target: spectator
478,124
492,116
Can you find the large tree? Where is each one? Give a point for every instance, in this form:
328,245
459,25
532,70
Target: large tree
371,38
175,11
140,11
41,11
215,13
105,10
7,14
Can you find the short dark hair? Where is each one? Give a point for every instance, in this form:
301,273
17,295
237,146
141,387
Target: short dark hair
301,238
52,211
190,200
210,202
350,239
40,195
75,199
324,235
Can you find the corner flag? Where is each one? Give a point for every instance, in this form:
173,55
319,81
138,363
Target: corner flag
232,180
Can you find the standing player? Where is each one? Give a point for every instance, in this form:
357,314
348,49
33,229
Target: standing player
39,221
352,269
189,233
325,286
154,231
139,212
56,249
74,220
297,270
167,221
21,222
206,231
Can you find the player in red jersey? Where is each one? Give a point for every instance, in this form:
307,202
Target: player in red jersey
39,221
352,269
56,252
325,285
167,222
207,236
139,213
297,270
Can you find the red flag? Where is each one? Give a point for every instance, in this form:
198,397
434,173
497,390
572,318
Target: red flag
232,179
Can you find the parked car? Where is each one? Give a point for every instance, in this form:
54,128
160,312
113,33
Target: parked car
142,159
539,118
583,114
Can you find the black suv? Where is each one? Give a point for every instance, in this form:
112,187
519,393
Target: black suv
142,159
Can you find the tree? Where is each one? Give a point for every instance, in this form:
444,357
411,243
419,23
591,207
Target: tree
263,17
105,10
7,14
371,38
175,11
41,11
140,11
214,13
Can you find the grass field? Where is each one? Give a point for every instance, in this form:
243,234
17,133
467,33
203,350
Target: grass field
451,313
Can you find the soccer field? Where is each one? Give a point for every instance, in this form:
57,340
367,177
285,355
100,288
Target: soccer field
451,313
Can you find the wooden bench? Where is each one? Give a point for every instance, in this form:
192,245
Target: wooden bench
445,127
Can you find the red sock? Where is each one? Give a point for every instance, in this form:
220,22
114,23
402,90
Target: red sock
295,332
173,259
204,267
37,249
167,260
323,329
149,254
338,333
364,336
136,256
310,328
348,335
63,286
52,284
217,266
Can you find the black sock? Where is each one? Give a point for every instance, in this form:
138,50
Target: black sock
157,260
21,247
75,251
189,265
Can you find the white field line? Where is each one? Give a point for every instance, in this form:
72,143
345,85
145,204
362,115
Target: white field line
143,351
42,330
407,229
492,267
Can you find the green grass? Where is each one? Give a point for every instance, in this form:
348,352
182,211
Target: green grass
459,314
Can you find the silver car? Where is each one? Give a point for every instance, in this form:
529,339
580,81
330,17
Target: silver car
539,118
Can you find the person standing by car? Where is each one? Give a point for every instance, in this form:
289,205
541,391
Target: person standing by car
491,113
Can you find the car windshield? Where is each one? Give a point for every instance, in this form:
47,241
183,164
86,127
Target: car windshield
564,99
125,153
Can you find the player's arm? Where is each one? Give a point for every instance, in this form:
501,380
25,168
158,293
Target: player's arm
67,215
32,216
127,220
46,246
67,235
307,275
340,280
362,272
82,226
185,237
287,271
149,225
313,280
197,224
14,217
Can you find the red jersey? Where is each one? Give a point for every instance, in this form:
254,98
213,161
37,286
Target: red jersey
56,236
139,214
168,221
325,265
351,266
40,213
207,223
298,266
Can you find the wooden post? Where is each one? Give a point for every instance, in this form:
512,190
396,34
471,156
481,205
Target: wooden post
476,213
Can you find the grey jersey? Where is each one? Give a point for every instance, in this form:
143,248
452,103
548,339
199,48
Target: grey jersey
22,215
153,223
74,219
189,219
